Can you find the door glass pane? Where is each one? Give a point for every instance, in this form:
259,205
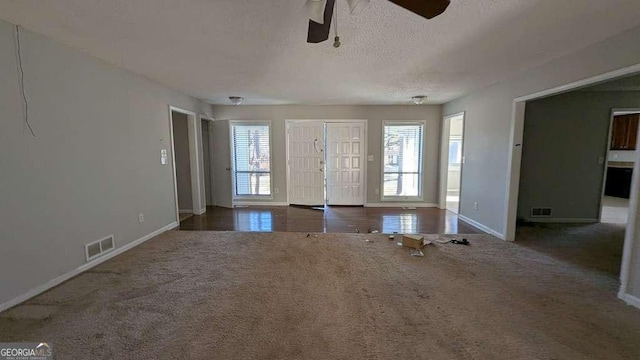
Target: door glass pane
402,184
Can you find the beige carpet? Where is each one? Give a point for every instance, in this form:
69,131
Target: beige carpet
590,246
215,295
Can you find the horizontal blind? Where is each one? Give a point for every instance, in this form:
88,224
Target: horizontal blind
402,159
252,163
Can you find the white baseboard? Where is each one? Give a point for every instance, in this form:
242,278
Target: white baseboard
399,204
202,211
259,203
62,278
383,204
185,211
482,227
562,220
629,299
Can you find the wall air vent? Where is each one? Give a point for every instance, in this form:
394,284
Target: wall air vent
540,212
99,247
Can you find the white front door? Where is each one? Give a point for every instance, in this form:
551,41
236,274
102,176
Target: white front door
345,163
306,161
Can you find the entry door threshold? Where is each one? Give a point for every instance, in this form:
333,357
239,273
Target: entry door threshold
311,207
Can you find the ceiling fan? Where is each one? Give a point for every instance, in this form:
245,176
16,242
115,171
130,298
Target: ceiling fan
321,12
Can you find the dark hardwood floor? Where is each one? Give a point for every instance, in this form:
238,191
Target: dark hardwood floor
334,219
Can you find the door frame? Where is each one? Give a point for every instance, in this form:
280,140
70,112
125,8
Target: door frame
444,158
288,122
513,174
195,159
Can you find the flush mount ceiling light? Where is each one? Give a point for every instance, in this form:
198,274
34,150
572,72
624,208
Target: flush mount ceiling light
236,100
419,99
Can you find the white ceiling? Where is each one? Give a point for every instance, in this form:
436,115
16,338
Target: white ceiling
257,48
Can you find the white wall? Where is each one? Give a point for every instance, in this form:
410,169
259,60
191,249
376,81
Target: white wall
564,138
93,168
375,116
488,119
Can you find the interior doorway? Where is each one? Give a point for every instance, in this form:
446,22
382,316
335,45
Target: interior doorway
452,161
621,155
187,166
326,162
207,159
182,164
629,231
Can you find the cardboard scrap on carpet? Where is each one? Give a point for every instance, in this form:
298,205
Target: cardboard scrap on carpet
413,241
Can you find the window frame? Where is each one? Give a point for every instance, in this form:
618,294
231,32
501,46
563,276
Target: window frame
392,198
234,187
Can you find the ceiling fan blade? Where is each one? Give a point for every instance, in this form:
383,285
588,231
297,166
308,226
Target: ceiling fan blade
315,9
320,32
425,8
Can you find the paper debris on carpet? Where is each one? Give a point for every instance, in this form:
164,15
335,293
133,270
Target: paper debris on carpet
416,252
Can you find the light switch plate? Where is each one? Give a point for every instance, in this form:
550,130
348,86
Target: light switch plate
370,158
164,158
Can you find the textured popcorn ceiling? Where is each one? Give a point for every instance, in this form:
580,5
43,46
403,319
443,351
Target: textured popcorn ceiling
257,48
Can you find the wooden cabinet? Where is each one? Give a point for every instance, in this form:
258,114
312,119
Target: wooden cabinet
624,132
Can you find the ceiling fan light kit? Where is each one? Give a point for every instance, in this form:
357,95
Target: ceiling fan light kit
320,13
336,42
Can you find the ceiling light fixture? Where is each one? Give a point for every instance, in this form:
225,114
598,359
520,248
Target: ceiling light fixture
236,100
419,99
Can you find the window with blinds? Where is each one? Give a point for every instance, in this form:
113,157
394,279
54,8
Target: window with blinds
402,160
251,159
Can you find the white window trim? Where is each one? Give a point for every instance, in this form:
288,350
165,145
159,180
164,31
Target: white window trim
420,196
233,123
